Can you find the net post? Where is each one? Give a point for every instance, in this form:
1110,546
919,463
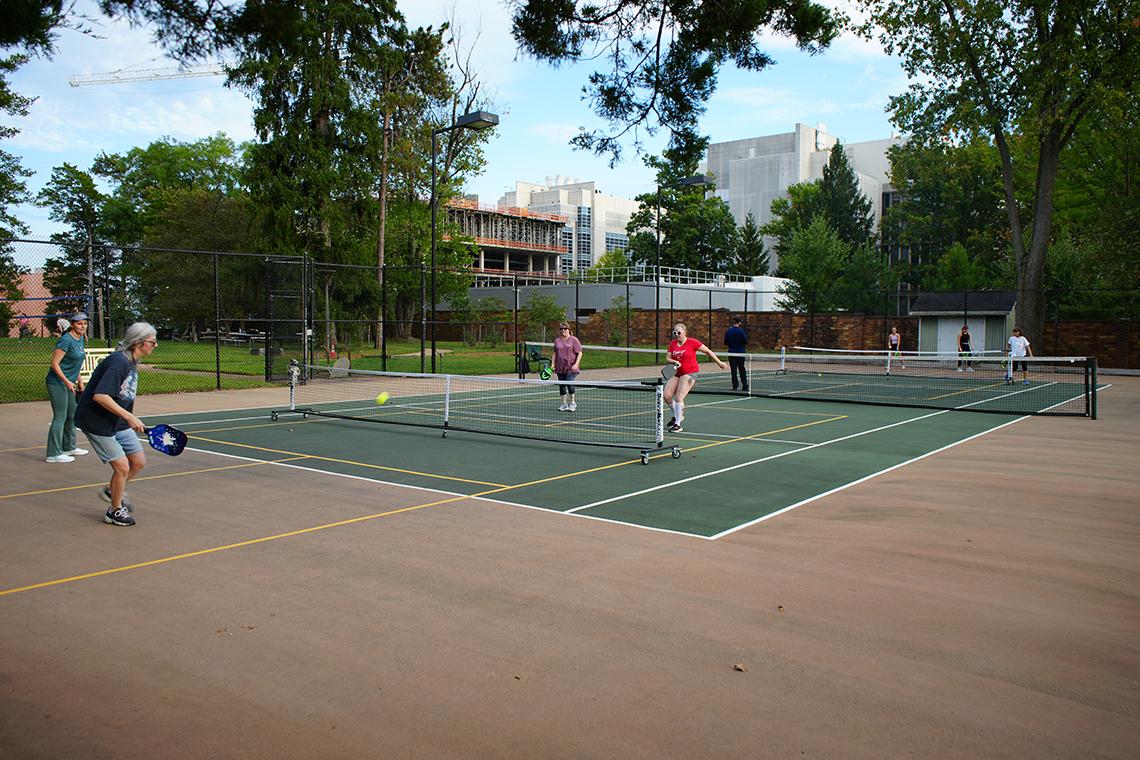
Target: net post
294,374
446,400
1090,383
659,413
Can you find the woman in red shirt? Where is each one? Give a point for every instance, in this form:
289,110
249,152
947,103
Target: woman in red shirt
683,353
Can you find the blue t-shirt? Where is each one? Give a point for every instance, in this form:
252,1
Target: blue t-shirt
118,377
736,339
72,360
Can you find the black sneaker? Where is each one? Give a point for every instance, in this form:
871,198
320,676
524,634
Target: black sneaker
672,422
105,495
675,428
119,516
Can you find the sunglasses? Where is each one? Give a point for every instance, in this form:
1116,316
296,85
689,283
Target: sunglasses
563,328
676,332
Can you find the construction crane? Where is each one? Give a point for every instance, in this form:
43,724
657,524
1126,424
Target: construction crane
146,75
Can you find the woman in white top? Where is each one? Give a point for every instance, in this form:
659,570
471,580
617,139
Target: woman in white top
894,344
1018,347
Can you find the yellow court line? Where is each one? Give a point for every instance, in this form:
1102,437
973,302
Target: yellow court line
349,462
350,521
312,529
24,448
61,489
968,390
212,550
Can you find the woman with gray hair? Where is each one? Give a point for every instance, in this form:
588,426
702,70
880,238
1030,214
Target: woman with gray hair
106,415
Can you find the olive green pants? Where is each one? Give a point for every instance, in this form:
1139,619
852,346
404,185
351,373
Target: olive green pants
61,434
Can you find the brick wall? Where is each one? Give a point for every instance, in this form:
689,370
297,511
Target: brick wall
1113,343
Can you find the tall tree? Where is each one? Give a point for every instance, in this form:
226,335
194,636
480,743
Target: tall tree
790,214
751,258
950,194
955,270
841,201
72,198
993,66
312,78
663,56
814,261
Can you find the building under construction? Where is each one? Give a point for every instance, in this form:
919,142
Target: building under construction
511,241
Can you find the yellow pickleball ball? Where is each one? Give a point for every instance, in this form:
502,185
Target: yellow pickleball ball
382,398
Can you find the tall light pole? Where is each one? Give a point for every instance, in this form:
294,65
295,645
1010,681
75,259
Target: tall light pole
476,120
696,180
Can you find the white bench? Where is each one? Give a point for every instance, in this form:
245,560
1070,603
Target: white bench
91,360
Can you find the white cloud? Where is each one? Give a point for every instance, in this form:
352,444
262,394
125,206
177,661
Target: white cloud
558,133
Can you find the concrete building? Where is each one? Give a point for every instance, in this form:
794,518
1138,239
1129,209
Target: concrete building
510,239
595,224
751,173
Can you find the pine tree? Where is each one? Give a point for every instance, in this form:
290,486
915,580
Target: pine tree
846,209
751,258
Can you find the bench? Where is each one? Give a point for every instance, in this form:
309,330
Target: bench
91,359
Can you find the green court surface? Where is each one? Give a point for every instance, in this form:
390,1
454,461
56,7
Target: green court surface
743,459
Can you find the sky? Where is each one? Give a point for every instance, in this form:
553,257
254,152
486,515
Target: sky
540,107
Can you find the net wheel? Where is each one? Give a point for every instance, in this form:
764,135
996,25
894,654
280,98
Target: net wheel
676,452
273,416
645,457
304,415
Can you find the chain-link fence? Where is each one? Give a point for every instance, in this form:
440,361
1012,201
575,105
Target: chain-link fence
234,320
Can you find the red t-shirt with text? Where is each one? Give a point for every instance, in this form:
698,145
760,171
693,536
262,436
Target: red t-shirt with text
687,355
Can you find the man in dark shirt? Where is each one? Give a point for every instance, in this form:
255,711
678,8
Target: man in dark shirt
737,341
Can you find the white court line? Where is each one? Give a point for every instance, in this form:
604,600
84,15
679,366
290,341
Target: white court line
352,477
757,461
548,510
865,478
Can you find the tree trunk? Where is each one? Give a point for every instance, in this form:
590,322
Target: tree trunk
381,225
1031,264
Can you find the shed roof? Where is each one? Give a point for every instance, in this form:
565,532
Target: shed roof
956,303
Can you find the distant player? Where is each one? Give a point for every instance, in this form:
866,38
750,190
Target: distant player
683,353
1018,347
964,351
894,346
736,339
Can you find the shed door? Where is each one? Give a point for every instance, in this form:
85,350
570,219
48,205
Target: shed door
949,327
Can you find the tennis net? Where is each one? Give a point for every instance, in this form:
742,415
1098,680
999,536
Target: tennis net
625,414
1034,385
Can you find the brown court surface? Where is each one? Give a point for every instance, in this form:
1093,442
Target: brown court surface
979,603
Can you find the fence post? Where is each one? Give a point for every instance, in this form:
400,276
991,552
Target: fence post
515,311
710,332
628,316
423,318
217,326
383,317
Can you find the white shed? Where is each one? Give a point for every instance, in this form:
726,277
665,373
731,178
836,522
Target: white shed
990,315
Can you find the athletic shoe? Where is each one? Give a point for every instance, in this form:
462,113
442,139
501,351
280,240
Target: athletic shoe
672,422
60,459
1025,382
118,516
961,370
573,406
76,452
969,369
105,495
564,407
675,428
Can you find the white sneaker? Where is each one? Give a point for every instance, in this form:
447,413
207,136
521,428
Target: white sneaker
60,458
564,407
969,369
573,407
961,370
76,452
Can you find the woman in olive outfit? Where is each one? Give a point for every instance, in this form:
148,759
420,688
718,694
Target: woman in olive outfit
63,386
